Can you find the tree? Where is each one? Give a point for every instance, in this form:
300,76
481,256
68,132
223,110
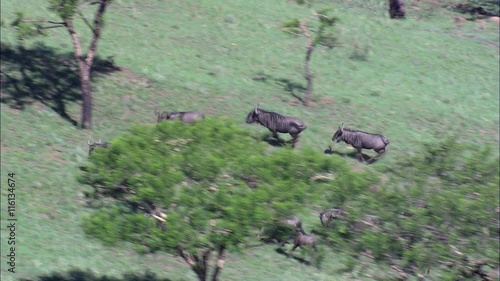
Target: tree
321,35
396,9
439,210
67,11
207,189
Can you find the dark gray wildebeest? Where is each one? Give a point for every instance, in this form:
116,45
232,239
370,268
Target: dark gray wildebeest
93,145
277,123
331,214
303,239
360,140
188,117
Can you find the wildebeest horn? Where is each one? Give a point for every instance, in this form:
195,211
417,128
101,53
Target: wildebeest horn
89,142
99,142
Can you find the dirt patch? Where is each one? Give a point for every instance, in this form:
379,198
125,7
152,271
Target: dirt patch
326,101
129,97
132,77
210,111
38,106
55,155
6,148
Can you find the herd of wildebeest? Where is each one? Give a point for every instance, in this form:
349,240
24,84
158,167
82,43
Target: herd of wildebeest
277,123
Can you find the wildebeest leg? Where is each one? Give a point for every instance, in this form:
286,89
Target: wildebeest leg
275,135
295,247
359,155
380,152
295,139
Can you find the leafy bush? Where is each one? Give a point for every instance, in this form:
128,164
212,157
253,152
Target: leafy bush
215,183
440,207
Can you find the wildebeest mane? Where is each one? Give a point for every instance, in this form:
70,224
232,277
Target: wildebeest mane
275,120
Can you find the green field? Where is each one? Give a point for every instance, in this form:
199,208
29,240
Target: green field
415,81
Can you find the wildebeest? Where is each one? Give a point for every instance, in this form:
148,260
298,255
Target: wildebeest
93,145
188,117
283,230
360,140
277,123
303,239
331,214
295,223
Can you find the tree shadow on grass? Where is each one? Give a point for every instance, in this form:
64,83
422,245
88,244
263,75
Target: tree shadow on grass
293,88
41,74
352,154
81,275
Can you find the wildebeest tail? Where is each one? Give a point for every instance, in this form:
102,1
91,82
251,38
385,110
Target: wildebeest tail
386,141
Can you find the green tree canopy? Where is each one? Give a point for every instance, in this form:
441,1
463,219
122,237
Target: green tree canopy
211,185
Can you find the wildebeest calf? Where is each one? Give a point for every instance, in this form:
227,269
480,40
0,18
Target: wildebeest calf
295,223
331,214
277,123
360,140
93,145
303,239
188,117
283,230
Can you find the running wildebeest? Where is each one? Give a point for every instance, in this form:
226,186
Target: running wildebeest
93,145
295,223
331,214
188,117
360,140
277,123
283,230
303,239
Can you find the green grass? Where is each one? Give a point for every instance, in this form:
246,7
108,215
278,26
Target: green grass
422,78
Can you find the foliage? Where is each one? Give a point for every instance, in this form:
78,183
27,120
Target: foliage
26,30
65,9
440,207
323,33
406,90
215,183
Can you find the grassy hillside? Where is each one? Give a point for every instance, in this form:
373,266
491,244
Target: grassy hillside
414,80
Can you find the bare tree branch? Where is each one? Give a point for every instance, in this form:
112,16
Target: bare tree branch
96,30
221,258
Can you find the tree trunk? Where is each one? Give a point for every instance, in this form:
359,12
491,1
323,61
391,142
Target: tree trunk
396,9
85,62
307,69
87,98
221,258
199,264
308,75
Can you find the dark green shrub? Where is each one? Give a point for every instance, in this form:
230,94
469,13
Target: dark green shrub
216,184
438,207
